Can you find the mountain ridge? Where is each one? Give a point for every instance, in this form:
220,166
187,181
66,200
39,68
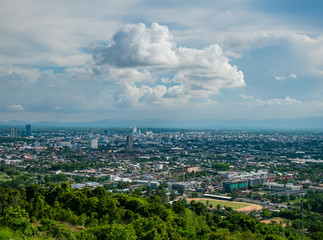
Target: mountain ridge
238,123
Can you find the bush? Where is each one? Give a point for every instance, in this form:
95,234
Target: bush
56,230
18,219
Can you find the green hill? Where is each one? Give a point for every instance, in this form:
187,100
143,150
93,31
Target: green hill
59,212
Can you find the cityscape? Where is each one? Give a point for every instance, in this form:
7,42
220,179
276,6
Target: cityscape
161,120
267,172
229,160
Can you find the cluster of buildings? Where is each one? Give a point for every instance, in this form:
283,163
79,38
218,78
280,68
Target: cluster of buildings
181,160
243,181
14,133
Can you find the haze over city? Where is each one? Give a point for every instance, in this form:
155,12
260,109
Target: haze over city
76,61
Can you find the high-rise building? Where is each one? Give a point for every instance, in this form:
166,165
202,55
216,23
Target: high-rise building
94,143
28,130
13,132
129,141
134,130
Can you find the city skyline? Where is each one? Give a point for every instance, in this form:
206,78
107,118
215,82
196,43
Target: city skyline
183,60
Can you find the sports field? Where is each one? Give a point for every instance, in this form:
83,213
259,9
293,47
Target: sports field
239,206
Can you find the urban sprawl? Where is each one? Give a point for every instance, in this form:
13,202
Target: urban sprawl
257,166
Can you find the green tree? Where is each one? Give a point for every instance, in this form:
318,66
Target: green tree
56,230
18,219
172,195
266,214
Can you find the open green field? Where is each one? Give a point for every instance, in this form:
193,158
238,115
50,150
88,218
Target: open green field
4,177
214,202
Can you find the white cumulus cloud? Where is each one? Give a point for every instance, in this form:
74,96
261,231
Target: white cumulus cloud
151,51
137,45
15,107
279,78
252,101
293,75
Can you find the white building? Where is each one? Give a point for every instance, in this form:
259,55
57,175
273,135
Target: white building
134,130
158,166
234,176
94,143
272,186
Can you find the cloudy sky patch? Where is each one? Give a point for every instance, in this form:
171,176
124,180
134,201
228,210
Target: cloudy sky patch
80,61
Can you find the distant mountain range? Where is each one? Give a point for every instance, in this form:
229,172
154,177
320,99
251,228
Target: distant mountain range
295,123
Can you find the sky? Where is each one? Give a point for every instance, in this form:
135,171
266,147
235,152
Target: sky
82,60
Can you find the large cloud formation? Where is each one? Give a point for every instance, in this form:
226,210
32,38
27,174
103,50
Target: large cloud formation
135,49
140,68
137,45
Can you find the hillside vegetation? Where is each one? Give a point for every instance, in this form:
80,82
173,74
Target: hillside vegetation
59,212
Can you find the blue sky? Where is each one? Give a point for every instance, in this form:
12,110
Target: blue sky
84,60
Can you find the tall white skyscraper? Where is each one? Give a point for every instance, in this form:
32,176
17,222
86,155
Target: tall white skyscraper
134,130
94,143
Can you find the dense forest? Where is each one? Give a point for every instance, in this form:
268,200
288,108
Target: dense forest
59,212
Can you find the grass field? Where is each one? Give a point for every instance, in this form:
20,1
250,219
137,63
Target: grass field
4,177
214,202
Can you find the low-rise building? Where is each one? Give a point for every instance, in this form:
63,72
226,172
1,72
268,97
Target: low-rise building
272,186
190,169
256,181
235,185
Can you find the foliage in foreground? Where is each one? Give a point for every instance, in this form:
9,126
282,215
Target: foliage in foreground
59,212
